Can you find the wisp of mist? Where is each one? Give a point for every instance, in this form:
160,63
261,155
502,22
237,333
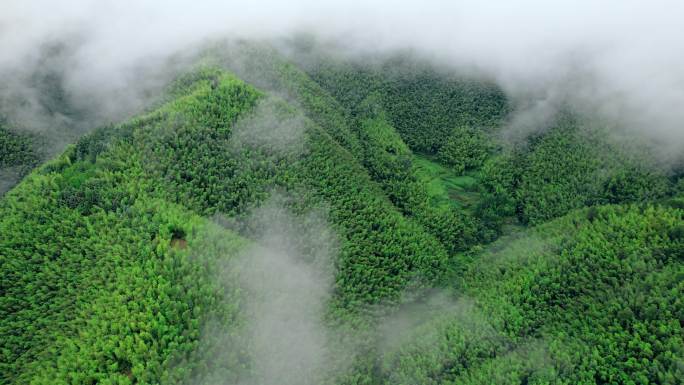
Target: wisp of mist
617,58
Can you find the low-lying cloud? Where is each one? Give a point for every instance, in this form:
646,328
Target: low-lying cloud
618,58
285,278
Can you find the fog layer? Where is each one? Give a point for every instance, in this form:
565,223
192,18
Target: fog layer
619,58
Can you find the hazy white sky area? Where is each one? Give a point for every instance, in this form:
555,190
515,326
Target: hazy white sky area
623,58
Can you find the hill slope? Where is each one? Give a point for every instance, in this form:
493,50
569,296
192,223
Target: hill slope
116,257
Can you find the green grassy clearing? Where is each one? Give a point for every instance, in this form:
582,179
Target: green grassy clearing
445,187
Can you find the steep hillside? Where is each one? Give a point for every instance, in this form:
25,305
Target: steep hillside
574,164
592,297
184,154
428,251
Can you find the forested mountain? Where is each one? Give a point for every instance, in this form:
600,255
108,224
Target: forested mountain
440,254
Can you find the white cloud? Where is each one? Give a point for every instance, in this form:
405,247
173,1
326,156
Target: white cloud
629,50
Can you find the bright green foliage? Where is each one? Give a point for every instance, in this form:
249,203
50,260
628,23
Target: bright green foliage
446,188
110,268
95,287
384,251
593,297
182,153
391,164
200,167
97,281
262,66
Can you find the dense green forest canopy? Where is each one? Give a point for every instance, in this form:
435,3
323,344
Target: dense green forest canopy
18,155
456,258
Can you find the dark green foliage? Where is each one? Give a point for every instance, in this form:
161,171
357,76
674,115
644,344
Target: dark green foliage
15,149
568,167
18,155
424,104
465,149
93,144
633,184
432,113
